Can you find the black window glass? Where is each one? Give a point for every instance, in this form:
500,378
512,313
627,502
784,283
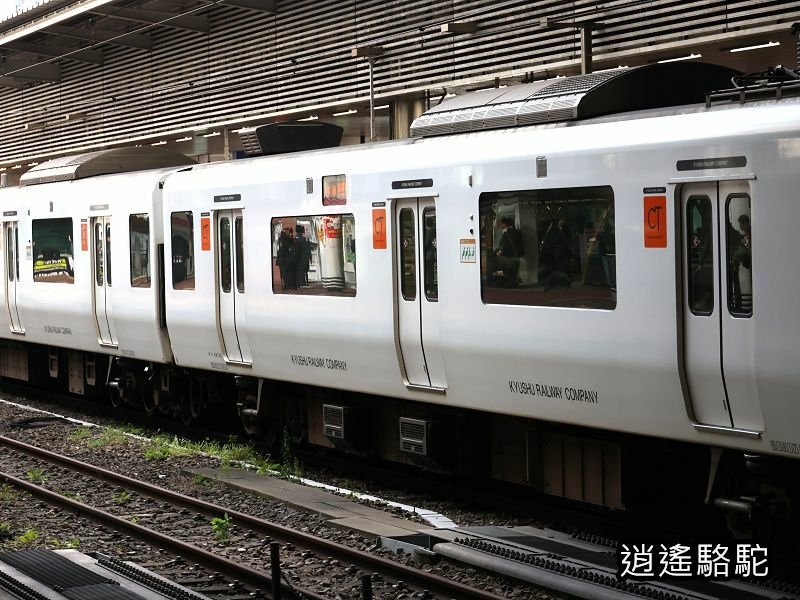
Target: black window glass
552,247
431,271
700,250
239,233
182,238
740,255
408,255
225,254
10,253
52,251
98,253
140,250
108,254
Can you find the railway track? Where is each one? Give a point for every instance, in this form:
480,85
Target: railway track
337,554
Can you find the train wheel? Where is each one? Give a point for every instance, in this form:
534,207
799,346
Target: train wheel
149,401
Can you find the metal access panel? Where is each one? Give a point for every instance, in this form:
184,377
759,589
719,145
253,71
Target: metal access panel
72,575
333,420
414,436
76,372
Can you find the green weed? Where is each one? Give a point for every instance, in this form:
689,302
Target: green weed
81,433
7,493
122,498
27,538
221,527
37,476
108,437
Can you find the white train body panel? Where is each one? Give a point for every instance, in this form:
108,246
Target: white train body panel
72,315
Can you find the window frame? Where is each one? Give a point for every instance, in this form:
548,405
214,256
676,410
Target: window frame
148,275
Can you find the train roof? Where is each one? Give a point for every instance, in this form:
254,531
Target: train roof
575,98
104,162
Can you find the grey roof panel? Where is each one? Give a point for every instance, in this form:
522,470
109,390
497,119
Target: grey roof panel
104,162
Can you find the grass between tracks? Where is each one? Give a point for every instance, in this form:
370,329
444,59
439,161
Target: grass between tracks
162,447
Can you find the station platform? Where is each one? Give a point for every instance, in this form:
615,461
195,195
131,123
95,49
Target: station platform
339,511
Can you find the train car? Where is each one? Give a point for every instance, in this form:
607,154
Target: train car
65,293
552,285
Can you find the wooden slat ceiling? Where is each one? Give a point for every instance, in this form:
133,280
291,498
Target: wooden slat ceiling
135,69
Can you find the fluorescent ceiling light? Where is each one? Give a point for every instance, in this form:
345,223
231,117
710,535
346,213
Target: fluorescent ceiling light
17,167
381,107
311,118
687,57
755,47
161,143
33,164
188,138
212,134
2,168
346,112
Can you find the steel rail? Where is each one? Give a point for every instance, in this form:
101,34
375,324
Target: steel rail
246,575
435,584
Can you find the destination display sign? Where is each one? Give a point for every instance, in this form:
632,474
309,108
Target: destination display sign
410,184
701,164
228,198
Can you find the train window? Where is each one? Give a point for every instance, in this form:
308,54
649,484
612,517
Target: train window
431,270
52,251
239,254
98,254
334,190
108,254
314,255
408,258
10,253
182,236
549,247
225,254
700,239
140,250
16,249
739,258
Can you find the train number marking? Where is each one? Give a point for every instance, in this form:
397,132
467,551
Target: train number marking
655,221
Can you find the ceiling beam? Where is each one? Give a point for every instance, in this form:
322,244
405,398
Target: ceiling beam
58,51
11,82
129,40
35,72
267,6
163,19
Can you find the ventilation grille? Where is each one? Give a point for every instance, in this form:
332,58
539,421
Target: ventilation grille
523,112
333,420
414,436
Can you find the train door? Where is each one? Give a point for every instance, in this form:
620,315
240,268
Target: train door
231,286
418,292
11,234
101,243
718,304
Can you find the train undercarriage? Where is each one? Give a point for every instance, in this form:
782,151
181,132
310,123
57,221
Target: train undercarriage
753,497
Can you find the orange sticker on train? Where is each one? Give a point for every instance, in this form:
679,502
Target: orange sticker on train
379,228
655,221
205,233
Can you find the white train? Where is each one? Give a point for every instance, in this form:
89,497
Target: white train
621,332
